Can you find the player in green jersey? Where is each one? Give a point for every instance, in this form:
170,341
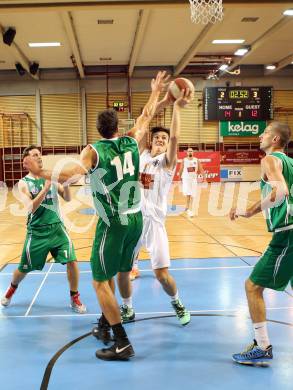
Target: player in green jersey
274,270
113,165
45,232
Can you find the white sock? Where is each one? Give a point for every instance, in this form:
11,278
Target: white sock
261,334
175,297
127,302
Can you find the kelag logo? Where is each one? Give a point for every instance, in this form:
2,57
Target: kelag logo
242,129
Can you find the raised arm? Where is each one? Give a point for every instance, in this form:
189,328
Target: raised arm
171,156
141,126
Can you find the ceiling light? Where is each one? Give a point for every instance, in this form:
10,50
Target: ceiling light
44,44
288,12
223,67
241,52
228,41
271,67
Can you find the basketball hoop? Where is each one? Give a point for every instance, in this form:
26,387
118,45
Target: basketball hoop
206,11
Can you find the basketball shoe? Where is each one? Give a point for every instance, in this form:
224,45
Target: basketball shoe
76,305
117,351
103,332
6,299
254,355
127,313
181,313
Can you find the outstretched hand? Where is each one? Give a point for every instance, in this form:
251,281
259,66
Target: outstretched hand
185,97
160,82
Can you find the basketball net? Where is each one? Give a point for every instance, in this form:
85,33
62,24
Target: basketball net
206,11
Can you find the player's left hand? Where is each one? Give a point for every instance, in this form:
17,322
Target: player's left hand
233,214
31,165
160,82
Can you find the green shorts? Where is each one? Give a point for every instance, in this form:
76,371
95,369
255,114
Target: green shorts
39,242
114,246
275,267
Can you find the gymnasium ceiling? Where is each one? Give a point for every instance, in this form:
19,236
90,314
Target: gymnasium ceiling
143,35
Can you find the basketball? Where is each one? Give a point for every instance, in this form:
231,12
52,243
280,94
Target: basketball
177,85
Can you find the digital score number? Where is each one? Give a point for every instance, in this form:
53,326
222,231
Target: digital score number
242,104
119,106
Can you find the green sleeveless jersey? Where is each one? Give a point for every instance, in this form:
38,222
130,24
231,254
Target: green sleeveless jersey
48,211
114,180
281,215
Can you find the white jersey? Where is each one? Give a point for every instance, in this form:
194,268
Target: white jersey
155,180
190,168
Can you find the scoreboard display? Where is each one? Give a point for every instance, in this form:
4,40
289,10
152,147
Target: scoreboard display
238,103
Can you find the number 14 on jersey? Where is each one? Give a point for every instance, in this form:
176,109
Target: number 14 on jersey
128,167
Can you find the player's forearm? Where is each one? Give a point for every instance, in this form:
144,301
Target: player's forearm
65,175
35,203
273,199
66,195
175,123
161,105
254,209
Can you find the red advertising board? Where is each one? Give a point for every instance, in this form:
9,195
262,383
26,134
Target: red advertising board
210,162
241,157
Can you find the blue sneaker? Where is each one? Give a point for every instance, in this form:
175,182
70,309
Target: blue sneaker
254,355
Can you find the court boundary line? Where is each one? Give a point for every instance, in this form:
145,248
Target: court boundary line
141,270
240,312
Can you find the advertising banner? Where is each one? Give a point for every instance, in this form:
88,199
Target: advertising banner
249,157
231,174
242,129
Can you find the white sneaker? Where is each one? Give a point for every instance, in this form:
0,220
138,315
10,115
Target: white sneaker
190,213
76,305
5,301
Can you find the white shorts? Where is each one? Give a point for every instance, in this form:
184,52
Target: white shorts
189,187
154,238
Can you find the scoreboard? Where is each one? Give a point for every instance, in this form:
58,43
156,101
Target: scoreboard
238,103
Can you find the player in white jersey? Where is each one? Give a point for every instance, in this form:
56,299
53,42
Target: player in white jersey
157,168
190,169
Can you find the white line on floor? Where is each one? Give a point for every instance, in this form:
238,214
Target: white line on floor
155,313
141,270
38,291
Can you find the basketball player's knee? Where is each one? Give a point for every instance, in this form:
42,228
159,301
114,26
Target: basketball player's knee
71,264
252,288
162,277
100,286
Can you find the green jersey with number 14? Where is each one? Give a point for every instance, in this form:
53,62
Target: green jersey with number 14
114,179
